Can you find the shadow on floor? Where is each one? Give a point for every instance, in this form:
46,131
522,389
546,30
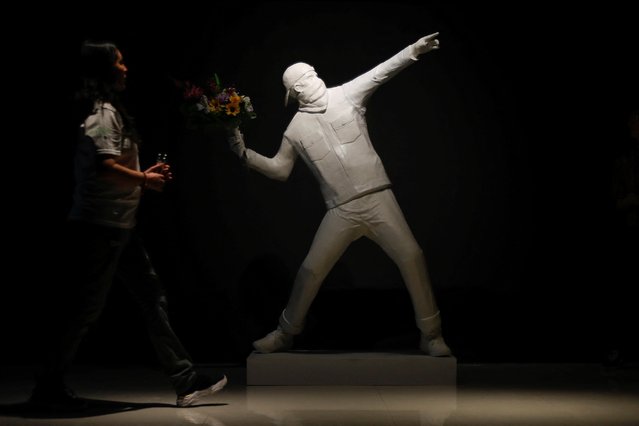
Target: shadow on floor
94,408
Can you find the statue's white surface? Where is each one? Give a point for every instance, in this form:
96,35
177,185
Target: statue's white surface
329,133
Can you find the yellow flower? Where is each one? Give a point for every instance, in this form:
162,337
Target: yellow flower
214,105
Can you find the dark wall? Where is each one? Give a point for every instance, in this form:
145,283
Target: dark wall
499,146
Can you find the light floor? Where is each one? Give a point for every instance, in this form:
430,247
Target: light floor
486,394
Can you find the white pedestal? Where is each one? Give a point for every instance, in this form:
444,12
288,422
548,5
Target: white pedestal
300,368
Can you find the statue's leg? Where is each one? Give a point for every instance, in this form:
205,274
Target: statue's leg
334,235
390,230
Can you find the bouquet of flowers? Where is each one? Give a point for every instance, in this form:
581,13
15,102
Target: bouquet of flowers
213,104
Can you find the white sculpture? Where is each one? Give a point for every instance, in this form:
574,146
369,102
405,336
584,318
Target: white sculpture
329,132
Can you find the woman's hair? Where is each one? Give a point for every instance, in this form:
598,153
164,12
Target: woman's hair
97,69
98,73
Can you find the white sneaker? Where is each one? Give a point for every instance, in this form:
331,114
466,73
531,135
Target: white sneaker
201,390
434,346
276,341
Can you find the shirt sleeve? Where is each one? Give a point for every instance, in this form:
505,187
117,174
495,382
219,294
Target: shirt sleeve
359,90
278,167
105,129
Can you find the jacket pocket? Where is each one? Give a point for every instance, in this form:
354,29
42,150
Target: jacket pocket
315,147
346,129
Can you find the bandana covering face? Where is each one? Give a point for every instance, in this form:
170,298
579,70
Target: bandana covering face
314,96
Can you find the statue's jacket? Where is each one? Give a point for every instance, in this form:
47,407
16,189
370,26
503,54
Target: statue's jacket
335,143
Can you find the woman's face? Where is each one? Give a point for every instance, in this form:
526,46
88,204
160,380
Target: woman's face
120,72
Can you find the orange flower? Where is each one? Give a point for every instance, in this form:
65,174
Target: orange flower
233,109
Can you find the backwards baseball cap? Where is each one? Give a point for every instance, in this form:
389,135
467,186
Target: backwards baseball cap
292,75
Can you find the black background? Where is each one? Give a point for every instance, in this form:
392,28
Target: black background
499,146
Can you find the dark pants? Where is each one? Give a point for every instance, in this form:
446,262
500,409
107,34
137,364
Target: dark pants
97,255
